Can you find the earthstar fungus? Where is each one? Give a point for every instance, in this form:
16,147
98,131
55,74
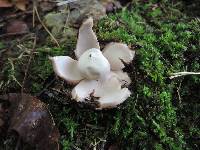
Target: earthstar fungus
98,74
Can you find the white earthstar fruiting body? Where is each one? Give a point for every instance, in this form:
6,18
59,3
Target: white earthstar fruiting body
98,74
93,65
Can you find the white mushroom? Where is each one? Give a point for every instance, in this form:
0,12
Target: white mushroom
118,54
108,93
86,38
93,65
66,68
99,75
83,90
122,77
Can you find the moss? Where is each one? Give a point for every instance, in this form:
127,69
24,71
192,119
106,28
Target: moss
2,45
164,46
40,68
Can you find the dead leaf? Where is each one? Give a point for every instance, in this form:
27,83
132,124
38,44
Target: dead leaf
1,115
17,26
21,4
5,3
3,118
114,147
31,119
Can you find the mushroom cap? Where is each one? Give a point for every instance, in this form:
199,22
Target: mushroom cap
118,54
93,65
66,68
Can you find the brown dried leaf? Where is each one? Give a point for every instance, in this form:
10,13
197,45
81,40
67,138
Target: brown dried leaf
21,4
31,119
1,116
4,117
114,147
17,26
5,3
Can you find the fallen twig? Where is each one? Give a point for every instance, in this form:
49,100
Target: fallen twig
179,74
33,13
29,62
60,3
38,16
12,34
12,75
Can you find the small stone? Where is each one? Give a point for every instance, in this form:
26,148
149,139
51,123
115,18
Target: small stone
81,9
111,5
46,6
55,21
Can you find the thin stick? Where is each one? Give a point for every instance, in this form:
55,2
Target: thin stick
33,19
12,34
13,68
36,11
18,143
29,62
179,74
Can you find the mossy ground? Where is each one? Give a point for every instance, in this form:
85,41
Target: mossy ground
161,113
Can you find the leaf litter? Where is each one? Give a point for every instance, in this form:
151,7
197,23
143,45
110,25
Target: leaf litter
31,119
